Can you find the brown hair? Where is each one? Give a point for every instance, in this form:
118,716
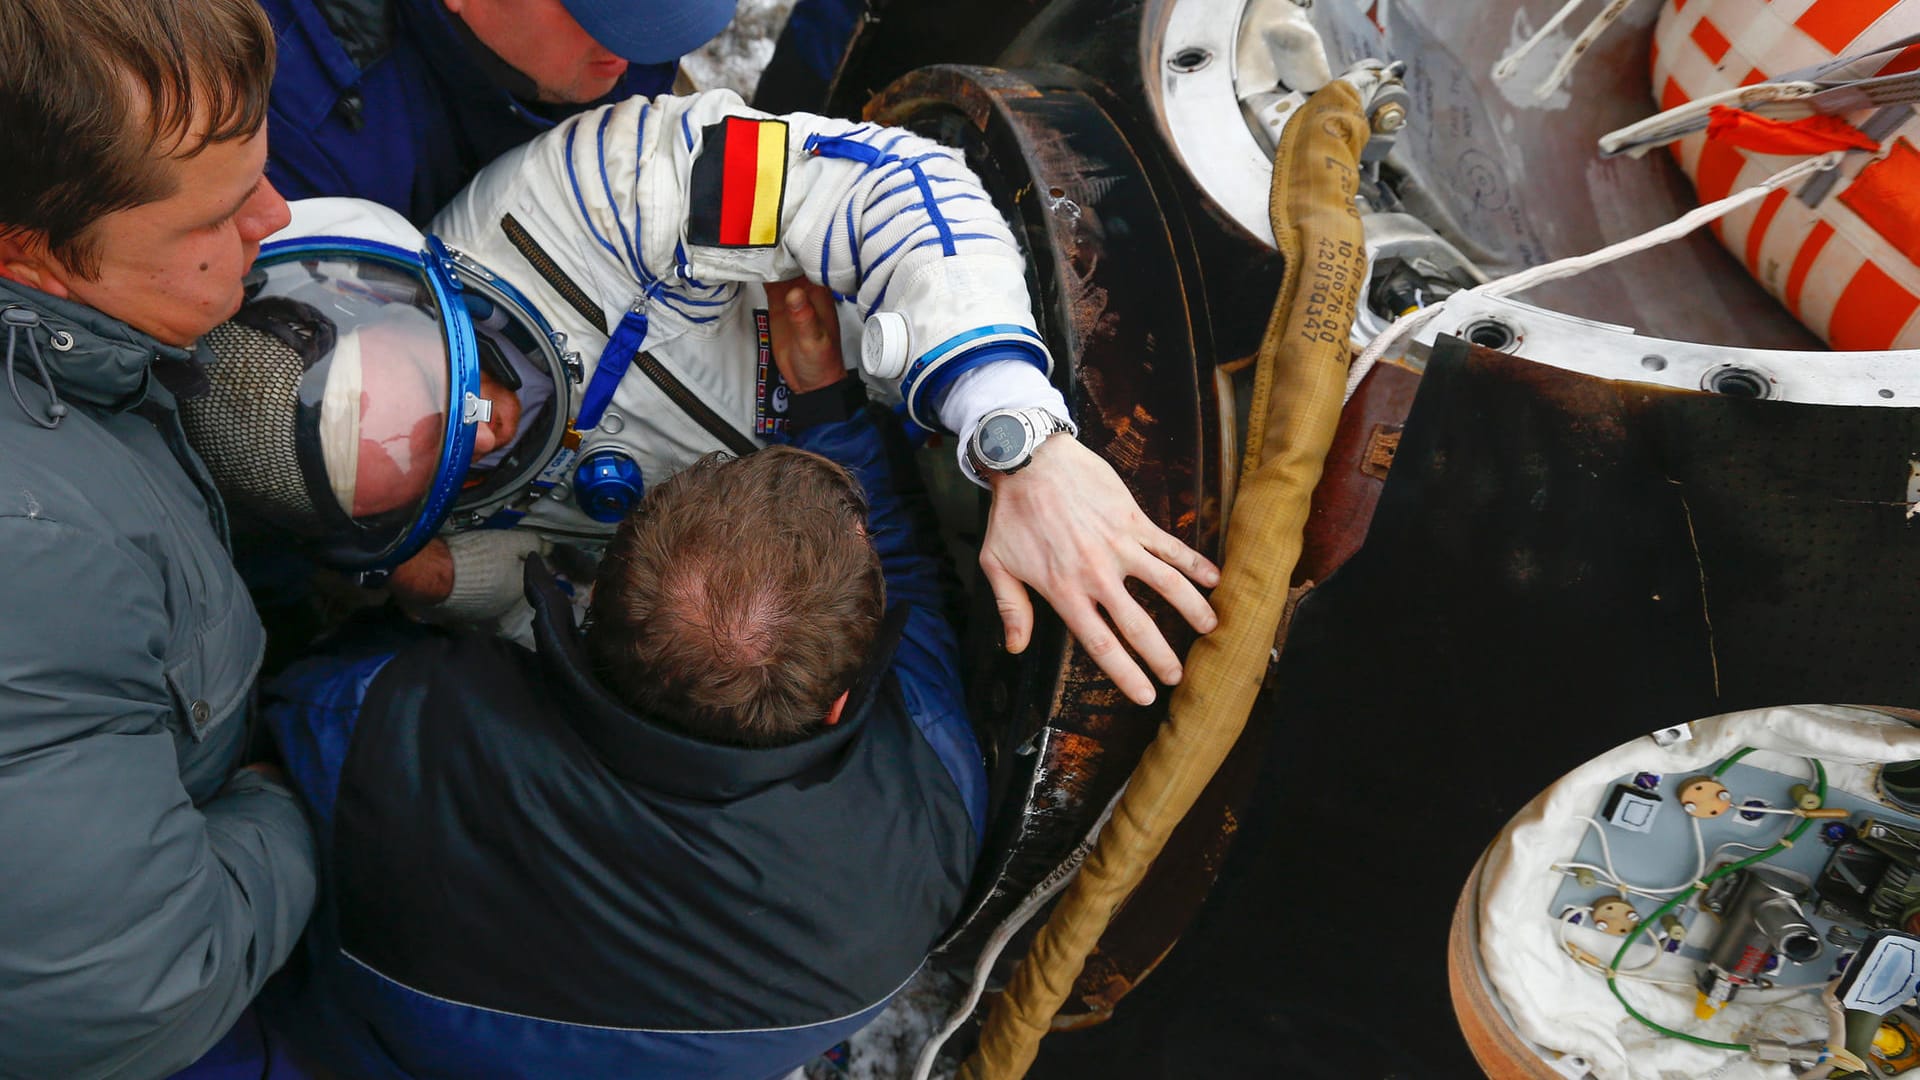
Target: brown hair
741,599
97,95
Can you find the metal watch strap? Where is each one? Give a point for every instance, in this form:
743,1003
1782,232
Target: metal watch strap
1044,424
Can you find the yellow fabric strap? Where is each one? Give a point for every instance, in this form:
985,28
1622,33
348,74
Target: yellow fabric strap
1297,393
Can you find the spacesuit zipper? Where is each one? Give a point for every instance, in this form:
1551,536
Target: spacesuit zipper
695,409
543,264
576,297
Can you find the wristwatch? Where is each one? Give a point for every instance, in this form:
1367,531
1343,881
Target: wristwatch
1005,439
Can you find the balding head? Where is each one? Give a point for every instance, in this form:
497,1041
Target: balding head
741,599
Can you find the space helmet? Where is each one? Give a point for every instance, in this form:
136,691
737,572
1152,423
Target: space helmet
372,384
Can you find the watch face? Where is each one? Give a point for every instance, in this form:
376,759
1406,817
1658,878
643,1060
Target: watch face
1001,440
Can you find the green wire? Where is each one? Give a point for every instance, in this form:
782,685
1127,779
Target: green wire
1734,759
1613,969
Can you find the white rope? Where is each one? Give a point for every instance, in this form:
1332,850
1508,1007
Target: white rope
1504,70
1767,99
1510,64
1579,48
1580,264
1004,933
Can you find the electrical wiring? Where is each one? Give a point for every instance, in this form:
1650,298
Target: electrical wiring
1587,959
1602,877
1715,857
1606,856
1644,927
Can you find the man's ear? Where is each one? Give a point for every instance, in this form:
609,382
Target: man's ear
26,259
834,710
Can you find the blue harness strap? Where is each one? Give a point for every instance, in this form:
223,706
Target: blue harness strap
615,361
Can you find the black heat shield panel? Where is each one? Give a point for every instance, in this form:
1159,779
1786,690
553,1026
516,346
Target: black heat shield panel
1558,565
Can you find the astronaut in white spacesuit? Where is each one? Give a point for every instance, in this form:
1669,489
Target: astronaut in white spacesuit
607,277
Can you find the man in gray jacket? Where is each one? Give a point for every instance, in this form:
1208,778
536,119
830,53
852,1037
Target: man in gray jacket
148,883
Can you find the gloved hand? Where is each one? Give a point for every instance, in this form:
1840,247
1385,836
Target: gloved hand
487,572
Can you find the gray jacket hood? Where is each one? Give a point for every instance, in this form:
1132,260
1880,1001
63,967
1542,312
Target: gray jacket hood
107,363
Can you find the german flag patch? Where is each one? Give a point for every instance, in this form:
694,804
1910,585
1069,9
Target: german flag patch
739,182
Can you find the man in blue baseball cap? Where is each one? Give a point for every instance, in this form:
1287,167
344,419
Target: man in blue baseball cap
402,101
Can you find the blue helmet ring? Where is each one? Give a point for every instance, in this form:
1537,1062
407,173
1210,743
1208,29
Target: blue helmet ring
345,399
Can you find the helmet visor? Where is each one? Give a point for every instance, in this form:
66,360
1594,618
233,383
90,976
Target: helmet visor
329,415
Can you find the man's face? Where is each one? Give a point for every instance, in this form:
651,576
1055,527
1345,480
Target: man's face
173,268
544,43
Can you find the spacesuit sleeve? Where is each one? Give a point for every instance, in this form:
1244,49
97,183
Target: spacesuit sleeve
137,925
685,195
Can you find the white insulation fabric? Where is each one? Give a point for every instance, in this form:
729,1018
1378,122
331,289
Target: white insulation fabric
1563,1005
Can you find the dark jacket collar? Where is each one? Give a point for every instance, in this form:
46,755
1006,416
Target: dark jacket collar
107,365
650,754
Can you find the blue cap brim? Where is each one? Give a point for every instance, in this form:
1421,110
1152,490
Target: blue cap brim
651,31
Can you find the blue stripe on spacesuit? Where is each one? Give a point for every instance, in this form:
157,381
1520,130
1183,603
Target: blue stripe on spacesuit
826,249
940,375
910,185
613,205
665,298
853,249
901,164
955,197
933,212
665,293
947,240
950,240
573,181
686,130
898,244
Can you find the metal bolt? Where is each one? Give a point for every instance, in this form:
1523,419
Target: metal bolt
559,493
1190,60
1389,118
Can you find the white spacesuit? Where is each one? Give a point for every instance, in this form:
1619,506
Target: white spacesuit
609,274
628,204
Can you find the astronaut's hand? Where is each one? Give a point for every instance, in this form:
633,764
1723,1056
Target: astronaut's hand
470,576
806,334
1067,526
425,579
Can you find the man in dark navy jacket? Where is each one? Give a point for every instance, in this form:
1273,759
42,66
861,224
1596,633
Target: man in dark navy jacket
402,101
712,839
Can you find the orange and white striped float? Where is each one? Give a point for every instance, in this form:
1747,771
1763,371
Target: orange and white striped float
1845,265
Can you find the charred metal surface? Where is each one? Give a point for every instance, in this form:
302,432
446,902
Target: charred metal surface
1364,448
1147,926
1556,565
1105,43
1115,300
1095,46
